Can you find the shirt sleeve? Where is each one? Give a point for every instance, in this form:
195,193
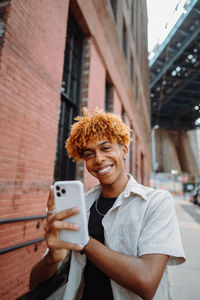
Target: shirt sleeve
160,233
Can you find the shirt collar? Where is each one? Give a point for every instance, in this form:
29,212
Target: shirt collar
134,187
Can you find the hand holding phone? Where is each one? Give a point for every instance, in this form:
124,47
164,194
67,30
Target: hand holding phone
68,194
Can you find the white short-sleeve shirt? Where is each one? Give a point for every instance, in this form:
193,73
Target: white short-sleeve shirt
142,221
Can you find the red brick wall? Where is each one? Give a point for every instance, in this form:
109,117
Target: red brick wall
96,96
102,27
85,73
31,73
97,80
117,106
15,269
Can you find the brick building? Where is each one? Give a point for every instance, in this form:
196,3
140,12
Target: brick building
55,58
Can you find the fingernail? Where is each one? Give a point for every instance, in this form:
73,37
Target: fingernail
75,209
76,226
80,246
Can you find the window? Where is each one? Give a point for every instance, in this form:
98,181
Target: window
141,168
108,106
127,4
138,26
123,116
124,41
132,17
136,88
113,4
131,68
70,94
4,13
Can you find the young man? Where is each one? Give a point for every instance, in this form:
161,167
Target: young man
133,229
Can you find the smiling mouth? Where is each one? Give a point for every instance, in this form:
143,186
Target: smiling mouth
104,171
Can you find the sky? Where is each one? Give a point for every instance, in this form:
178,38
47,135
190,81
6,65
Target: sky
160,13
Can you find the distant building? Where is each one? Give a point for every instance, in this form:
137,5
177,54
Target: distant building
56,58
195,144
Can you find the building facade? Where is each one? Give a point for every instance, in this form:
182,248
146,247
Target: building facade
56,59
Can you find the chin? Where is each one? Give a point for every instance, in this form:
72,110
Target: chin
107,181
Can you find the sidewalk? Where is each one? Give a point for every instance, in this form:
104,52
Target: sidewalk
184,280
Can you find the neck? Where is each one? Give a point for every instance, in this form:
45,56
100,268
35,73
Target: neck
113,190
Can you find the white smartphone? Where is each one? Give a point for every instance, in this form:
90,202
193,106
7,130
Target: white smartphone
68,194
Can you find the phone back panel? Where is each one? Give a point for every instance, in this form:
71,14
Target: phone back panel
68,194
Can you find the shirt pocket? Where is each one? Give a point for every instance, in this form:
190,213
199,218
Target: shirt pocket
128,238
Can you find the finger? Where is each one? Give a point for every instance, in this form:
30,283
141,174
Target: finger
50,202
64,245
59,225
67,213
45,227
54,220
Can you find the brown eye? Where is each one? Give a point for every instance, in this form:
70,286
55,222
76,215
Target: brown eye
87,154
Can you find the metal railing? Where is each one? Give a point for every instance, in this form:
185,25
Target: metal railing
21,245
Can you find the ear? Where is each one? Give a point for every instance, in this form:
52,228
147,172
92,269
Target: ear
125,152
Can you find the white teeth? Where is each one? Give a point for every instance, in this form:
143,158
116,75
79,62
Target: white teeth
104,170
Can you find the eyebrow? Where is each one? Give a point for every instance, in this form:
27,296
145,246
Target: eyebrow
100,144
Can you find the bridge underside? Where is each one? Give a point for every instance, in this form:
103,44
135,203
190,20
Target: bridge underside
176,150
175,75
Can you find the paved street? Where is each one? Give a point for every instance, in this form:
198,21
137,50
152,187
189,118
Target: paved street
184,280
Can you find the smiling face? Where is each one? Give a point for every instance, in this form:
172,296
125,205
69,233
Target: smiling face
105,161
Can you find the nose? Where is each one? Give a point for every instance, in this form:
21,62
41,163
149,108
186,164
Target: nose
99,157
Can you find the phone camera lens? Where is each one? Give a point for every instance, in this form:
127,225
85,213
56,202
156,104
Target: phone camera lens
57,188
58,194
63,191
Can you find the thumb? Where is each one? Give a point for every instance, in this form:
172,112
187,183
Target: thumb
50,203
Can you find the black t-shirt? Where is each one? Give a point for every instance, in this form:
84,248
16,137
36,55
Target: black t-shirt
97,284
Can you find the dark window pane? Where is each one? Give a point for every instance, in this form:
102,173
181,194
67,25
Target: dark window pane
124,39
114,7
70,94
108,104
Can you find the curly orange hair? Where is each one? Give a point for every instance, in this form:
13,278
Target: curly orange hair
99,125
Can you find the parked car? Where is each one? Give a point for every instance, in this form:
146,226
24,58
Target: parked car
196,195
